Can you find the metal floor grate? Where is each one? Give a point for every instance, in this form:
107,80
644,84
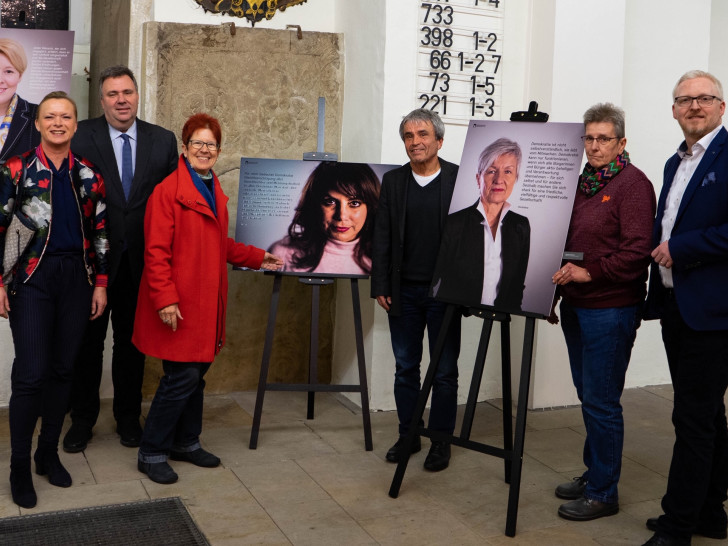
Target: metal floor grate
159,522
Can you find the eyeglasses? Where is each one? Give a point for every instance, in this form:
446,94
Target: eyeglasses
703,101
197,145
601,140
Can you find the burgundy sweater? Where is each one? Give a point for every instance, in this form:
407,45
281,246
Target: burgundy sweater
613,228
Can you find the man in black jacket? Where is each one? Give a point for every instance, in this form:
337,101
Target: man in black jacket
413,206
133,157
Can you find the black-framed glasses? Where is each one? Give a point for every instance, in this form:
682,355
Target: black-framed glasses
703,101
601,140
197,145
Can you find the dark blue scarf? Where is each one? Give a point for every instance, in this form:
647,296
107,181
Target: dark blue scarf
208,192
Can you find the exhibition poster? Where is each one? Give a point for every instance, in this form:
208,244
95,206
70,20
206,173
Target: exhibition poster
509,216
316,215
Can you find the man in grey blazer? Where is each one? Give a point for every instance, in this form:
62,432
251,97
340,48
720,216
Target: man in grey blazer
133,157
413,206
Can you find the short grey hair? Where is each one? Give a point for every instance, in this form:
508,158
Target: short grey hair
606,112
423,115
502,146
116,71
692,74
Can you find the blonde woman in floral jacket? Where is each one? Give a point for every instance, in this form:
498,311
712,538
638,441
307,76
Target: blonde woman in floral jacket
59,283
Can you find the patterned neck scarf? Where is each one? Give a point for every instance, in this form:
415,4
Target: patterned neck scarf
592,181
7,120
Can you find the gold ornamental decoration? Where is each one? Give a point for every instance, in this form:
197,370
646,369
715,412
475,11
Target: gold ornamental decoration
252,10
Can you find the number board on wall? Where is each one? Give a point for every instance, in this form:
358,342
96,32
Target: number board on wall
460,58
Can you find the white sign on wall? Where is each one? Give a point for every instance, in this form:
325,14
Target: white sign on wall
460,58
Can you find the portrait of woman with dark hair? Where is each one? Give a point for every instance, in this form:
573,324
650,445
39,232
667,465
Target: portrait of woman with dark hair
331,230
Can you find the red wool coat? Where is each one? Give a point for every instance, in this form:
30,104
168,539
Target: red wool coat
185,262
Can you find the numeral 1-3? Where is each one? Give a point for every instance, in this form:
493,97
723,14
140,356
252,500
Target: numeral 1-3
488,107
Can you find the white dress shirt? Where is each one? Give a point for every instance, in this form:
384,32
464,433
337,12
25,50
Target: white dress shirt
492,262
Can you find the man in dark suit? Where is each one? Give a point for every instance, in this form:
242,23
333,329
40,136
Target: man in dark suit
687,293
411,214
485,248
133,157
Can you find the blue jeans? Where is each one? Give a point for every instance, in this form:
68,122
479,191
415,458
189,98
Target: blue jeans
600,342
175,418
407,331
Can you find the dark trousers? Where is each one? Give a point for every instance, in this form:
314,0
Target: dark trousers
175,418
127,363
407,332
47,319
698,478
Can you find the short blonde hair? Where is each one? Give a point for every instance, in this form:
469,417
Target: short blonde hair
15,54
54,95
699,74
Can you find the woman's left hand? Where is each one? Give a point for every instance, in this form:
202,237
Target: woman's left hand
98,302
271,262
170,315
571,273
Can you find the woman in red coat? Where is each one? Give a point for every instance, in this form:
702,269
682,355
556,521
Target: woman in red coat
180,315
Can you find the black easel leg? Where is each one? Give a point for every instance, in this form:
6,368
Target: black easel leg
313,355
477,378
505,328
362,365
265,362
421,402
521,413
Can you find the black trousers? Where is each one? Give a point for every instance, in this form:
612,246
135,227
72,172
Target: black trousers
48,315
698,478
127,363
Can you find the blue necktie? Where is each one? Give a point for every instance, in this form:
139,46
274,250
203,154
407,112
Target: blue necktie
127,169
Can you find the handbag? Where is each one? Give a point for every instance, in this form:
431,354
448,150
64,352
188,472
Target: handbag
18,235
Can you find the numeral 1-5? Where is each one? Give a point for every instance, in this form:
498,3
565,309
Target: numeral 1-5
488,86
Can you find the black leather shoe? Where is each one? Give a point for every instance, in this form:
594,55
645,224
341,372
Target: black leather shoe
662,540
393,453
717,533
21,483
439,457
587,509
77,438
572,490
158,472
198,457
47,462
130,433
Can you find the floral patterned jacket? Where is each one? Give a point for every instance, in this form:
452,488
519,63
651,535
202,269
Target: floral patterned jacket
90,195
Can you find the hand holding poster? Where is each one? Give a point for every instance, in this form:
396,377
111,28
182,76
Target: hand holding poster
509,216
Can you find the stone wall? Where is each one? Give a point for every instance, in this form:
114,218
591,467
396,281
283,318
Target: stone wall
109,43
263,86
